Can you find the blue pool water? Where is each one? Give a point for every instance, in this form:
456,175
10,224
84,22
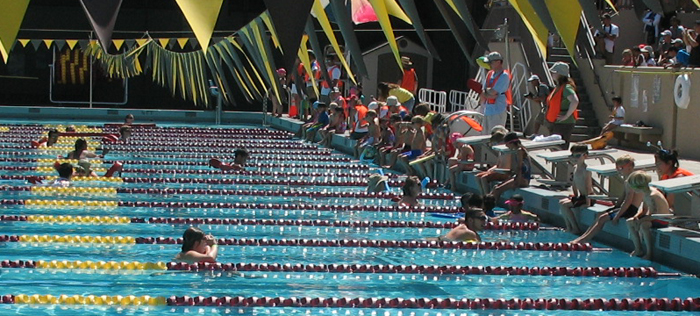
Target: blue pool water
156,283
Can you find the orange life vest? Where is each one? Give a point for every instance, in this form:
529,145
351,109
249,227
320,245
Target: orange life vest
679,172
554,101
317,74
491,83
361,112
325,84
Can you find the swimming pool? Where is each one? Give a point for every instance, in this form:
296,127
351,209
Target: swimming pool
297,235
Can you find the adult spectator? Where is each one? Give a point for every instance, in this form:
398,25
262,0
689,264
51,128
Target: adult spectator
678,43
409,80
651,26
334,75
648,55
692,39
608,34
627,59
494,92
562,103
405,97
538,94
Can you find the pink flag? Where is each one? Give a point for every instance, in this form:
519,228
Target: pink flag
362,12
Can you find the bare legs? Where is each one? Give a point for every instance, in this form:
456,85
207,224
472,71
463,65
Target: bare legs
640,230
594,229
566,207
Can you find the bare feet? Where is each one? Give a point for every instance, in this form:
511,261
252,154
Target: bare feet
636,254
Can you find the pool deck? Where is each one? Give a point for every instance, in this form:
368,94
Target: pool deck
673,246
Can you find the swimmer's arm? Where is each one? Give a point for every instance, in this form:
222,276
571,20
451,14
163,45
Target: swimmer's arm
89,154
641,212
194,256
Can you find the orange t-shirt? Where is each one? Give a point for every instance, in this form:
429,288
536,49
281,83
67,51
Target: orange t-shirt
679,172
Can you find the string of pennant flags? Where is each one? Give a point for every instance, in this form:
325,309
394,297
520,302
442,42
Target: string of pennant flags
182,43
246,57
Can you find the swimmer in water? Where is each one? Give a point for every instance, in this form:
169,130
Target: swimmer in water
411,190
239,161
468,230
197,247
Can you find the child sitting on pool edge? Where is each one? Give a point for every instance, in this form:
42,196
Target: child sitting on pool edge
640,224
197,247
582,188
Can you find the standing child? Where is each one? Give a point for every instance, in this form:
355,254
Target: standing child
640,224
520,167
582,188
617,117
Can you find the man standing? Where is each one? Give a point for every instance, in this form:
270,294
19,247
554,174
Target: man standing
409,81
494,92
608,34
541,91
651,26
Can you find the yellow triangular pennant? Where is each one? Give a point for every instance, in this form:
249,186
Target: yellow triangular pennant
394,9
71,43
12,16
141,41
533,23
202,16
381,11
182,42
24,42
566,17
164,42
268,23
48,42
118,43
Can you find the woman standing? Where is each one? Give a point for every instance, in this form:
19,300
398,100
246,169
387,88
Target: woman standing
562,103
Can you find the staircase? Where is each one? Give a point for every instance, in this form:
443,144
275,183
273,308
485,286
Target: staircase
587,125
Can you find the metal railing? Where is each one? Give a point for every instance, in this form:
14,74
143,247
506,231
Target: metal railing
437,100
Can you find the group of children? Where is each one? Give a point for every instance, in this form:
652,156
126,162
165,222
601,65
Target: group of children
636,205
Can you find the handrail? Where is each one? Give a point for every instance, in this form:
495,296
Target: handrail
437,100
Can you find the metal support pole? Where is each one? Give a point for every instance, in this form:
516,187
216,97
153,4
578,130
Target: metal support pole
507,66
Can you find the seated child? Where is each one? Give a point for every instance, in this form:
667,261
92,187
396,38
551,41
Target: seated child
485,178
617,117
337,126
390,139
582,188
404,137
321,121
462,160
515,211
640,224
520,167
365,146
625,207
418,144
